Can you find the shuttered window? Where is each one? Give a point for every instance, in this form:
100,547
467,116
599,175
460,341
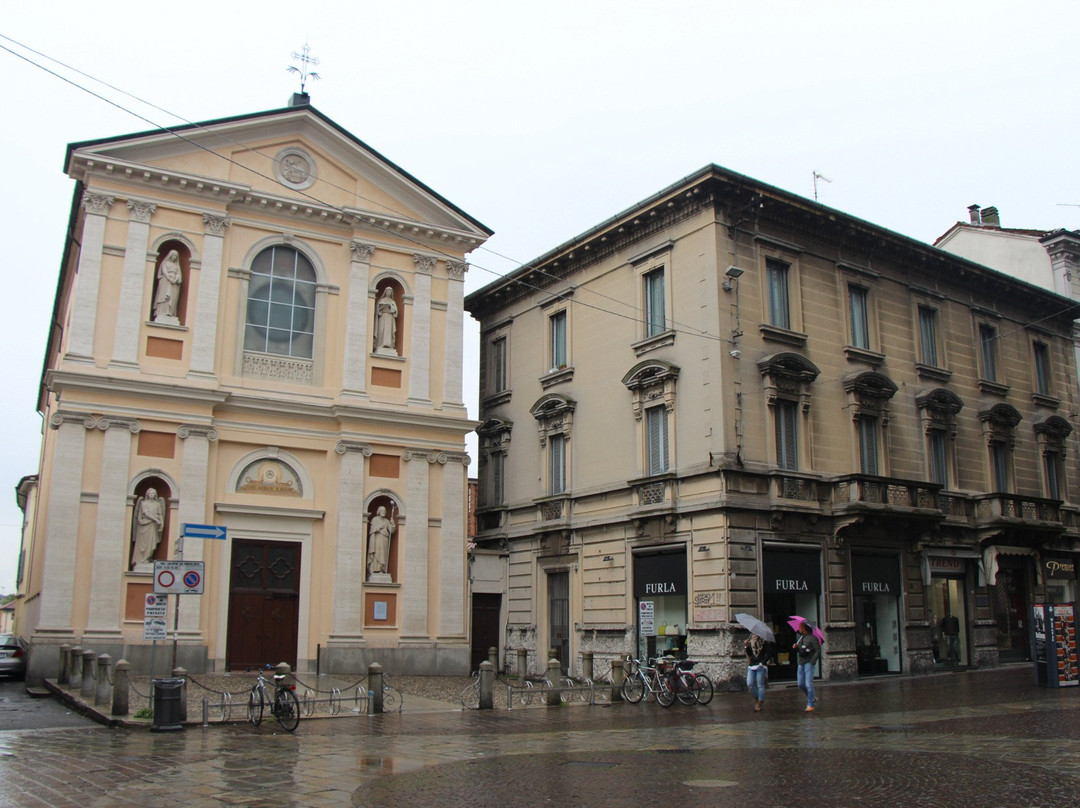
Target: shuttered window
655,322
860,318
928,353
868,444
779,307
787,453
657,426
557,443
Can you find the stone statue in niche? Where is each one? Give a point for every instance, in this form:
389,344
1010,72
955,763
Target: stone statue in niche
147,526
386,313
167,294
380,529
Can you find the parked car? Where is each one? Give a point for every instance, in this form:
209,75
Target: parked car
12,656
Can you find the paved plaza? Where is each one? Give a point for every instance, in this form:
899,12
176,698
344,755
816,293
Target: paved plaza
977,738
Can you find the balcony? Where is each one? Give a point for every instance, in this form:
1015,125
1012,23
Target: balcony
854,493
1002,511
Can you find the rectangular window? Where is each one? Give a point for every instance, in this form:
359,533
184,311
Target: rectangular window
938,469
779,307
498,365
558,463
1053,480
928,353
860,318
656,419
868,444
787,448
1042,369
558,340
987,348
999,461
655,318
497,461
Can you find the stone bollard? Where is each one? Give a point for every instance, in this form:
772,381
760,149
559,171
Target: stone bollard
121,685
375,686
587,665
618,676
487,685
103,691
523,664
554,675
180,673
493,657
74,667
88,684
65,671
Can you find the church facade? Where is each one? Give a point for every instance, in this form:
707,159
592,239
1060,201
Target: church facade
257,327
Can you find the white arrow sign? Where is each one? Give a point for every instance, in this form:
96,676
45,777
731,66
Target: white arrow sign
203,531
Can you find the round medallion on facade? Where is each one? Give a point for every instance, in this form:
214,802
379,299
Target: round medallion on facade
295,167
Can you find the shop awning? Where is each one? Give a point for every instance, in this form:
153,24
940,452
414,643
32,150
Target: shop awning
990,559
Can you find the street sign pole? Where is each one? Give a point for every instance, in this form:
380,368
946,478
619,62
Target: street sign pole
176,611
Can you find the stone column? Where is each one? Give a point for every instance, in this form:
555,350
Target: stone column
420,334
347,626
455,333
112,538
414,575
80,347
130,314
193,478
204,329
452,546
62,529
354,378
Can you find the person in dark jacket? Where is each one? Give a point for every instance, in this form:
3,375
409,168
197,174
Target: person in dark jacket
757,652
808,650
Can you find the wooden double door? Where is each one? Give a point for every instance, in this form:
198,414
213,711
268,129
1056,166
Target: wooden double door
264,604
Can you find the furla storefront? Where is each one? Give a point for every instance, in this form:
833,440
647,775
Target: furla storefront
660,595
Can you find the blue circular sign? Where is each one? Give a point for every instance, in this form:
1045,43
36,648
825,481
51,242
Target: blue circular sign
191,579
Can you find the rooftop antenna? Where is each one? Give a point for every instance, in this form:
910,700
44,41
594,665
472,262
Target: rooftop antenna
306,61
818,176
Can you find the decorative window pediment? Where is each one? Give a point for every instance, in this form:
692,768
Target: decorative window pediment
999,423
650,382
554,414
1051,433
788,376
869,394
495,435
939,408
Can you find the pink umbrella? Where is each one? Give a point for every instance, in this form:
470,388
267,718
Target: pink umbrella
797,620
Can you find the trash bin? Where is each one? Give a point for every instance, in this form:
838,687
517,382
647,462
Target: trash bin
167,695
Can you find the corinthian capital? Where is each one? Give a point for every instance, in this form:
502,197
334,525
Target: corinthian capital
96,203
361,252
140,211
424,263
457,269
215,225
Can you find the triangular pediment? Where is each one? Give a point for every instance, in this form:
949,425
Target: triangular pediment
289,158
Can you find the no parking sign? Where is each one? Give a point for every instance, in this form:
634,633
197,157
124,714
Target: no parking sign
178,577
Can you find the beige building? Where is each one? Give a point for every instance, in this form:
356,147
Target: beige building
729,399
258,325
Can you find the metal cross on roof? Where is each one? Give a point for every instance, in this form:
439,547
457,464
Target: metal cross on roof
306,61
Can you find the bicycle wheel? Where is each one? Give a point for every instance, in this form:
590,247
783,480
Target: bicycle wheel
705,691
255,705
665,691
633,688
686,688
287,709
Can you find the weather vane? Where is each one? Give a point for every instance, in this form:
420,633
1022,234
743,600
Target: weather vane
306,61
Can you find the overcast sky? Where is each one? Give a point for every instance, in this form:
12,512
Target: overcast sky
543,119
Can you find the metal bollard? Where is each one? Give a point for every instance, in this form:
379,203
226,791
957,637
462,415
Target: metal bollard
103,691
523,663
87,689
554,673
121,685
205,712
375,688
74,667
493,657
487,685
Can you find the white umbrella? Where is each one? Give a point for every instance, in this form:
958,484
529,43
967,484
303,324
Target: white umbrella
755,626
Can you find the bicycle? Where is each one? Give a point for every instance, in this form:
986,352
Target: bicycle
647,677
285,707
679,682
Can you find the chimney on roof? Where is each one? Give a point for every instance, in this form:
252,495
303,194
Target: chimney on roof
976,218
990,217
300,100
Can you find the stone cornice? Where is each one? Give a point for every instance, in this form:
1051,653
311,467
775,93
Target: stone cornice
69,381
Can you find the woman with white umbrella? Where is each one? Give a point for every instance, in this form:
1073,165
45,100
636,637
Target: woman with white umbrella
758,652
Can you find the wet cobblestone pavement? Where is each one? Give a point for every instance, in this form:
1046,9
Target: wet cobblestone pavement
988,738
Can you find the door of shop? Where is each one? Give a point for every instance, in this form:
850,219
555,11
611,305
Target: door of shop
485,626
1010,601
264,604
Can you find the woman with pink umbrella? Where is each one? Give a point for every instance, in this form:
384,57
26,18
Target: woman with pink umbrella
808,650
